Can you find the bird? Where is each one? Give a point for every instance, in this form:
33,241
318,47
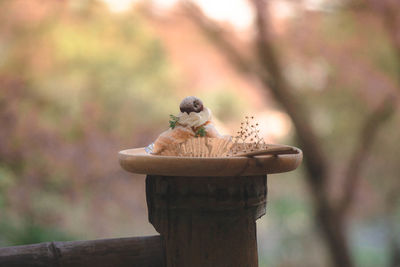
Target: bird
191,104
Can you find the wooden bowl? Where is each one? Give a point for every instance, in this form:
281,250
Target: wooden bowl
138,161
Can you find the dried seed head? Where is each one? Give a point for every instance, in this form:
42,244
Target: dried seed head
248,138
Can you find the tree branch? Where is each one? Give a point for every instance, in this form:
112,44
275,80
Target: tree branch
367,136
218,36
388,12
332,226
315,159
268,71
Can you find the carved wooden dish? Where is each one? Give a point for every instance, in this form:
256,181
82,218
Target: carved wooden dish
137,160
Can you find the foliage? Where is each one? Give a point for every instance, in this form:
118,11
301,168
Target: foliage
78,84
201,132
172,122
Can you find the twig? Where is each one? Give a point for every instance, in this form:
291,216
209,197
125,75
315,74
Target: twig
271,150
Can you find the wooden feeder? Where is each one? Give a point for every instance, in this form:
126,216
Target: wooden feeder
206,208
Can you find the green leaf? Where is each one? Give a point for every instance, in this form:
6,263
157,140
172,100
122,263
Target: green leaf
201,132
173,121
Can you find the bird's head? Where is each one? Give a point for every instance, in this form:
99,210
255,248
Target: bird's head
191,104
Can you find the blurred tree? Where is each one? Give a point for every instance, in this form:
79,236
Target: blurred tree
77,84
266,64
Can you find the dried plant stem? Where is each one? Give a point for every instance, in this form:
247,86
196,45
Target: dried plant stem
275,150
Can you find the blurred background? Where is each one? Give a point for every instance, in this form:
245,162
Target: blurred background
82,79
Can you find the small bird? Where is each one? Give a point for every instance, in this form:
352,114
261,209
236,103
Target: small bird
194,120
191,104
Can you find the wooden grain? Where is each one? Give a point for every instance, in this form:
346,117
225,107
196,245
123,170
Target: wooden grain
273,150
120,252
138,161
207,221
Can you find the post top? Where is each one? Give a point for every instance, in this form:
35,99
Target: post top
138,161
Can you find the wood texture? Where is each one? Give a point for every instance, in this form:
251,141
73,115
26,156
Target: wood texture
207,221
119,252
138,161
271,150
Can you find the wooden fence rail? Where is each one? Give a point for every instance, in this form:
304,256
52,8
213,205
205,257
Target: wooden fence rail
133,251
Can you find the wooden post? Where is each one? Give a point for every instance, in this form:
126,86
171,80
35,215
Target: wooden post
207,221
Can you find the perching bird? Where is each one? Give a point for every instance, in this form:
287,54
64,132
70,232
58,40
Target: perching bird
191,104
